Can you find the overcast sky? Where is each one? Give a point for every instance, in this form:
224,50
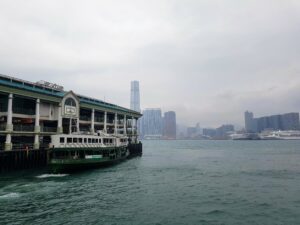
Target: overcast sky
207,60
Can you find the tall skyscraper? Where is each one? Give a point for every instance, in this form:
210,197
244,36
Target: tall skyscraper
151,124
169,128
249,122
135,96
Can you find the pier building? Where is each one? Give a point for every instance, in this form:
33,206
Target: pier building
31,112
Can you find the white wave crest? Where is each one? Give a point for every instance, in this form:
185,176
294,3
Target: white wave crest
10,195
51,175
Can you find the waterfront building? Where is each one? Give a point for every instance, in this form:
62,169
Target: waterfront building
288,121
151,124
209,132
249,122
31,112
169,125
221,132
224,131
191,132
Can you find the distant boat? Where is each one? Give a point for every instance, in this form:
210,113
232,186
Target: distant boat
245,136
281,135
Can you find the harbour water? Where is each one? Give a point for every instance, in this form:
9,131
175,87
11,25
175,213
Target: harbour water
174,182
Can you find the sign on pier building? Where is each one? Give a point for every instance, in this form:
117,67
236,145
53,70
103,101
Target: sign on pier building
31,112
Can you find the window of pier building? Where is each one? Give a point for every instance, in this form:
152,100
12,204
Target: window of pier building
24,105
3,102
99,117
85,114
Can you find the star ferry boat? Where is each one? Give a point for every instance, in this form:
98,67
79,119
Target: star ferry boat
79,151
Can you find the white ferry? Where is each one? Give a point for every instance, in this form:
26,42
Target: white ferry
78,151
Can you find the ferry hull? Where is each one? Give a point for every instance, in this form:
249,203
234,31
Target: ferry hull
60,166
73,164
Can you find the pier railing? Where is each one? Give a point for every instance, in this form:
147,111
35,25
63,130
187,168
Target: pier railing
99,119
49,129
19,110
22,127
2,127
85,118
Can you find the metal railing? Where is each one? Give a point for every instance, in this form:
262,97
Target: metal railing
22,127
49,129
85,118
19,110
99,119
2,108
2,127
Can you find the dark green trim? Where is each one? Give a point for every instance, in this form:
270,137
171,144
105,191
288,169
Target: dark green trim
29,94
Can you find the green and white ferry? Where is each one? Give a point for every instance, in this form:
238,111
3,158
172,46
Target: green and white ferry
78,151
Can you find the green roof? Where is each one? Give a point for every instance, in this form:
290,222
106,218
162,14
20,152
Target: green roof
40,89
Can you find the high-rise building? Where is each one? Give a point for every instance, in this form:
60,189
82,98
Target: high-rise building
135,96
288,121
151,124
249,123
169,125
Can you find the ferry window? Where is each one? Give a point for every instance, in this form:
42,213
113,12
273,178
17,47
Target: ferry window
62,140
93,140
89,140
79,140
97,141
74,140
69,140
85,140
110,141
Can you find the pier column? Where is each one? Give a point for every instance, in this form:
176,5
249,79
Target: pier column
9,125
116,123
132,125
37,128
93,121
77,125
59,121
125,125
105,122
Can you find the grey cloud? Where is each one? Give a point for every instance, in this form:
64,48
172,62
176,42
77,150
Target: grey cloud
208,60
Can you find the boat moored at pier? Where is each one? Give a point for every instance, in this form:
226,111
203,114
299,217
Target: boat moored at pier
79,151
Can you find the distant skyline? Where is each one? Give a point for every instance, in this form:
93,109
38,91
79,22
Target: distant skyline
209,61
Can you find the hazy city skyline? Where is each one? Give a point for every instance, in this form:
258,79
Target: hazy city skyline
209,61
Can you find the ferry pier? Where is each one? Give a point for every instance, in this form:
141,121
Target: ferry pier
31,112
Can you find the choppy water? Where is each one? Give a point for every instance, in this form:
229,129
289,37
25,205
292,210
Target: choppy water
175,182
